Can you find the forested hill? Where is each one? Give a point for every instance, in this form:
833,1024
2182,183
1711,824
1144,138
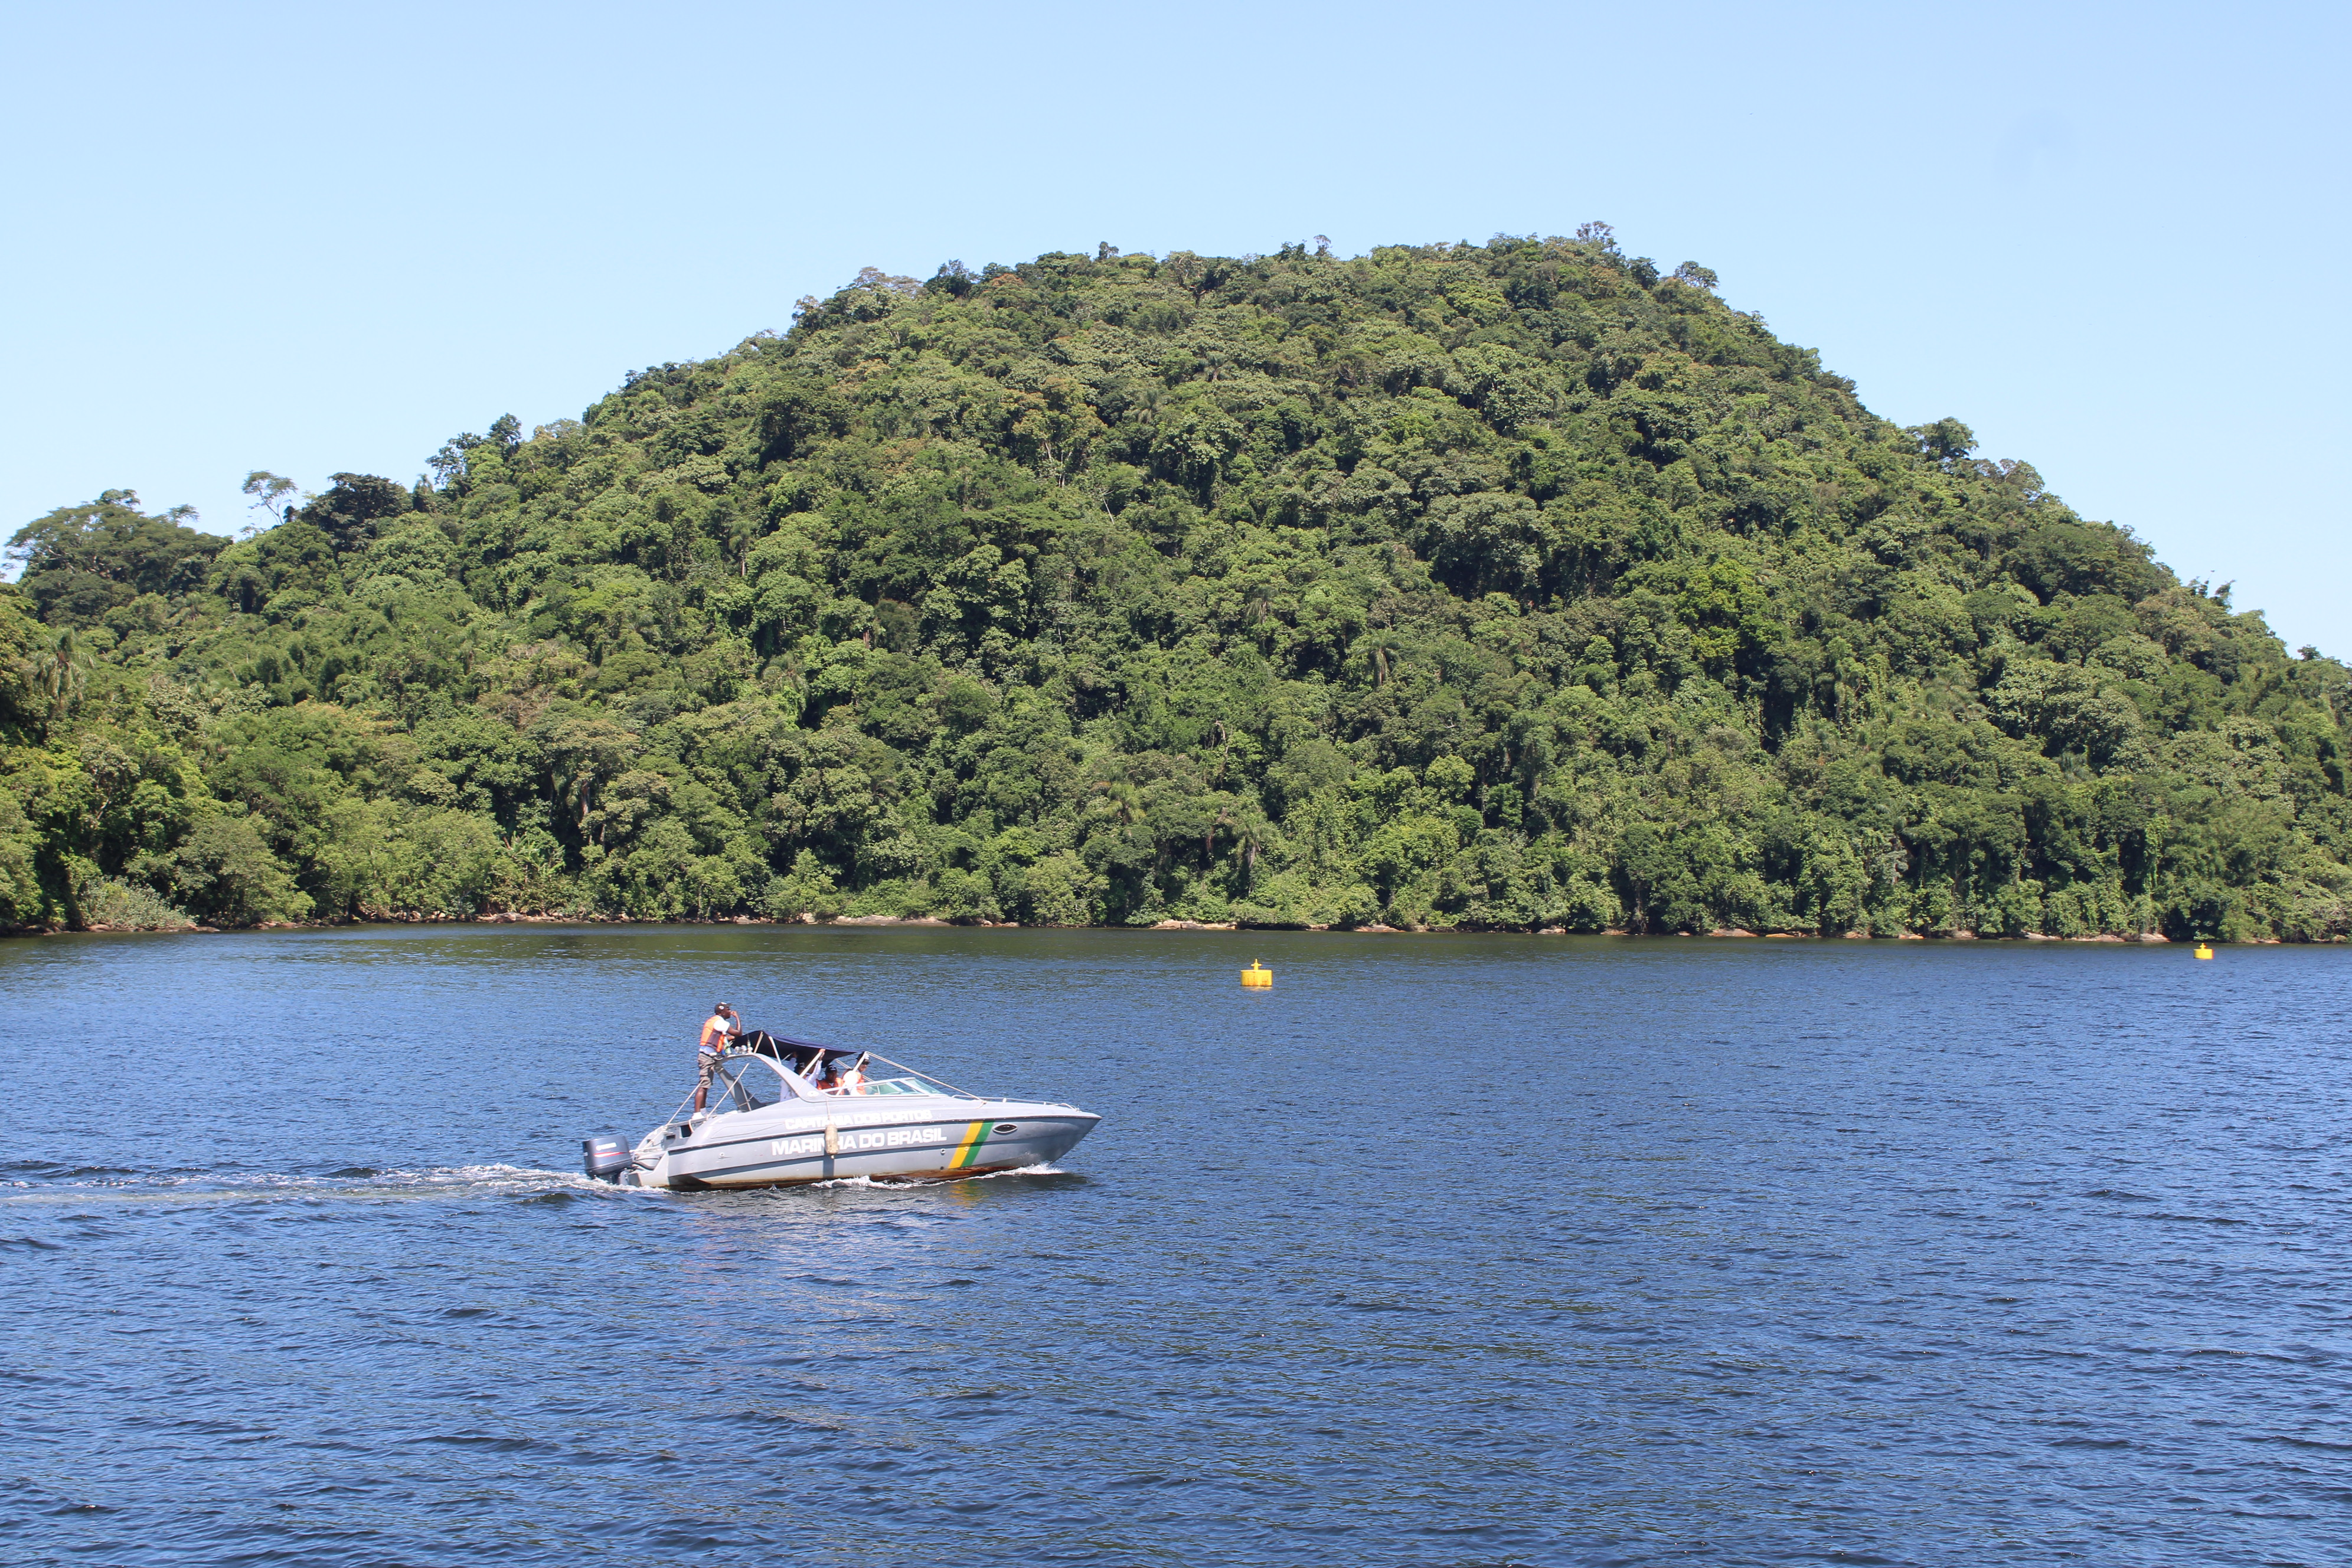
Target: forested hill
1507,586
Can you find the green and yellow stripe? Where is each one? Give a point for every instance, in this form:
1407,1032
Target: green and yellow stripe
969,1150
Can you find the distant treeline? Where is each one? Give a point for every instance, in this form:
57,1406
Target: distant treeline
1510,586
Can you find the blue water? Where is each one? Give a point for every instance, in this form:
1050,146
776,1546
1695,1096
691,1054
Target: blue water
1476,1250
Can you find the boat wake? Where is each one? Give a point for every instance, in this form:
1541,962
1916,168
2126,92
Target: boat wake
87,1185
44,1185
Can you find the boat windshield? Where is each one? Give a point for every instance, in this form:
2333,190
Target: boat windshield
910,1085
785,1067
746,1082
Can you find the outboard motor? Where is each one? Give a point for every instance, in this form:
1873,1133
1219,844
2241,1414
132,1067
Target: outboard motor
605,1156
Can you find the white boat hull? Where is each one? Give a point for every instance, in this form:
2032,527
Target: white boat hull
905,1137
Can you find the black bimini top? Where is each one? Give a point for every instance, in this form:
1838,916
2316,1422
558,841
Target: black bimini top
775,1046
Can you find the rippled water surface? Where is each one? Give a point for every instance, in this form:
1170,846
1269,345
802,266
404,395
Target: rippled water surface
1445,1250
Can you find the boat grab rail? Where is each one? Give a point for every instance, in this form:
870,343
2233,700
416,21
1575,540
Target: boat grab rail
918,1072
871,1055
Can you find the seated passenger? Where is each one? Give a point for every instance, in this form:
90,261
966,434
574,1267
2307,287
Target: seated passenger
853,1078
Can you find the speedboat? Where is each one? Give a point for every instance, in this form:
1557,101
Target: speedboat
783,1111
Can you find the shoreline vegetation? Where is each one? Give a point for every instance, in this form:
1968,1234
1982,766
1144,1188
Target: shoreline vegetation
933,921
1516,586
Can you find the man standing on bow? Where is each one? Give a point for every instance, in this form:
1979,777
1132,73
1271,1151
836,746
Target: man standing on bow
719,1032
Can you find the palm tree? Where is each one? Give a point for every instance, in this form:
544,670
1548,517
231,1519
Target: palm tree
1378,645
784,671
1127,805
1126,800
1255,831
66,670
1222,816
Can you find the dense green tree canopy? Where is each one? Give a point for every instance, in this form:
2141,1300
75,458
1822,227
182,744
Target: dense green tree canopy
80,561
1511,586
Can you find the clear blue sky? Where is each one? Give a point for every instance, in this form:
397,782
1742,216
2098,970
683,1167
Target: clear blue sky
2112,238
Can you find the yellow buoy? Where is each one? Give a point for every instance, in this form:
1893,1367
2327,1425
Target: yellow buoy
2204,950
1257,975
